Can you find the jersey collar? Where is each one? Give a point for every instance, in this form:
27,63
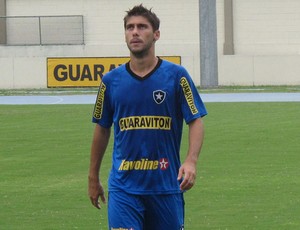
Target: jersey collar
146,76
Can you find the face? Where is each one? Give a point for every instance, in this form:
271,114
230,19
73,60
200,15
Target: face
139,35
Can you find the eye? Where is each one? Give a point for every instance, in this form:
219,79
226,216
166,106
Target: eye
129,27
142,26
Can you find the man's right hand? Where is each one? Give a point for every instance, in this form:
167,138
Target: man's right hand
95,190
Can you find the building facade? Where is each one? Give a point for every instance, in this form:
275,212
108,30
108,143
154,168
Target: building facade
258,41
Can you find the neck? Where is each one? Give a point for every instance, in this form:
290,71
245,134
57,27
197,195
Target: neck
142,65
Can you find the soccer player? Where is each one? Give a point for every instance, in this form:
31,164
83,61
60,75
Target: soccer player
147,101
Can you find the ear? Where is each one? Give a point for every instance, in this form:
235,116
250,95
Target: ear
156,35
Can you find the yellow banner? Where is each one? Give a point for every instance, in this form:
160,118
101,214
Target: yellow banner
85,72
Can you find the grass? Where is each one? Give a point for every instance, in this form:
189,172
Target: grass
249,168
251,89
248,172
94,90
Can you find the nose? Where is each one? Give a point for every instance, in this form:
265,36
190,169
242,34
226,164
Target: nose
135,31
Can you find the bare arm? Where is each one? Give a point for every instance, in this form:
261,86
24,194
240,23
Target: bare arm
189,167
99,144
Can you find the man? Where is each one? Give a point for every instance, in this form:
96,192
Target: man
146,100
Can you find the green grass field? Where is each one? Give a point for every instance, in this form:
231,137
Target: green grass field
248,172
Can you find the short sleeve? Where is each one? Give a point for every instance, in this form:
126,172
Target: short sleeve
102,114
192,106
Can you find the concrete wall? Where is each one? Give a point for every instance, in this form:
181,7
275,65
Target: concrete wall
266,39
104,36
259,70
266,43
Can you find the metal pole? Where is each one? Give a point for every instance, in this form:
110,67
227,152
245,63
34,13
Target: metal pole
82,26
40,30
3,35
228,48
208,43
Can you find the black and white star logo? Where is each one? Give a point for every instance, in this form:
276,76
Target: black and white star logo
159,96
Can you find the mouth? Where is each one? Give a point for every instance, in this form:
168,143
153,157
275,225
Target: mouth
135,41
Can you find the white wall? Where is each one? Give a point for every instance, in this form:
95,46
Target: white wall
104,35
259,70
266,43
266,39
267,27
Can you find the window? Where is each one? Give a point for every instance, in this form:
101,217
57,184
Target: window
42,30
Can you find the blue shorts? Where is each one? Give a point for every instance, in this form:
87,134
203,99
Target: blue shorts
145,212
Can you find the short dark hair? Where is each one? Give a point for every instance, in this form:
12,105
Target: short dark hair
140,10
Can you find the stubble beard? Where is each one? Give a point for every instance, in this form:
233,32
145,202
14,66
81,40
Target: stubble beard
140,53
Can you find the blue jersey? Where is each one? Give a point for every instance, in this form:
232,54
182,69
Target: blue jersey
147,114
